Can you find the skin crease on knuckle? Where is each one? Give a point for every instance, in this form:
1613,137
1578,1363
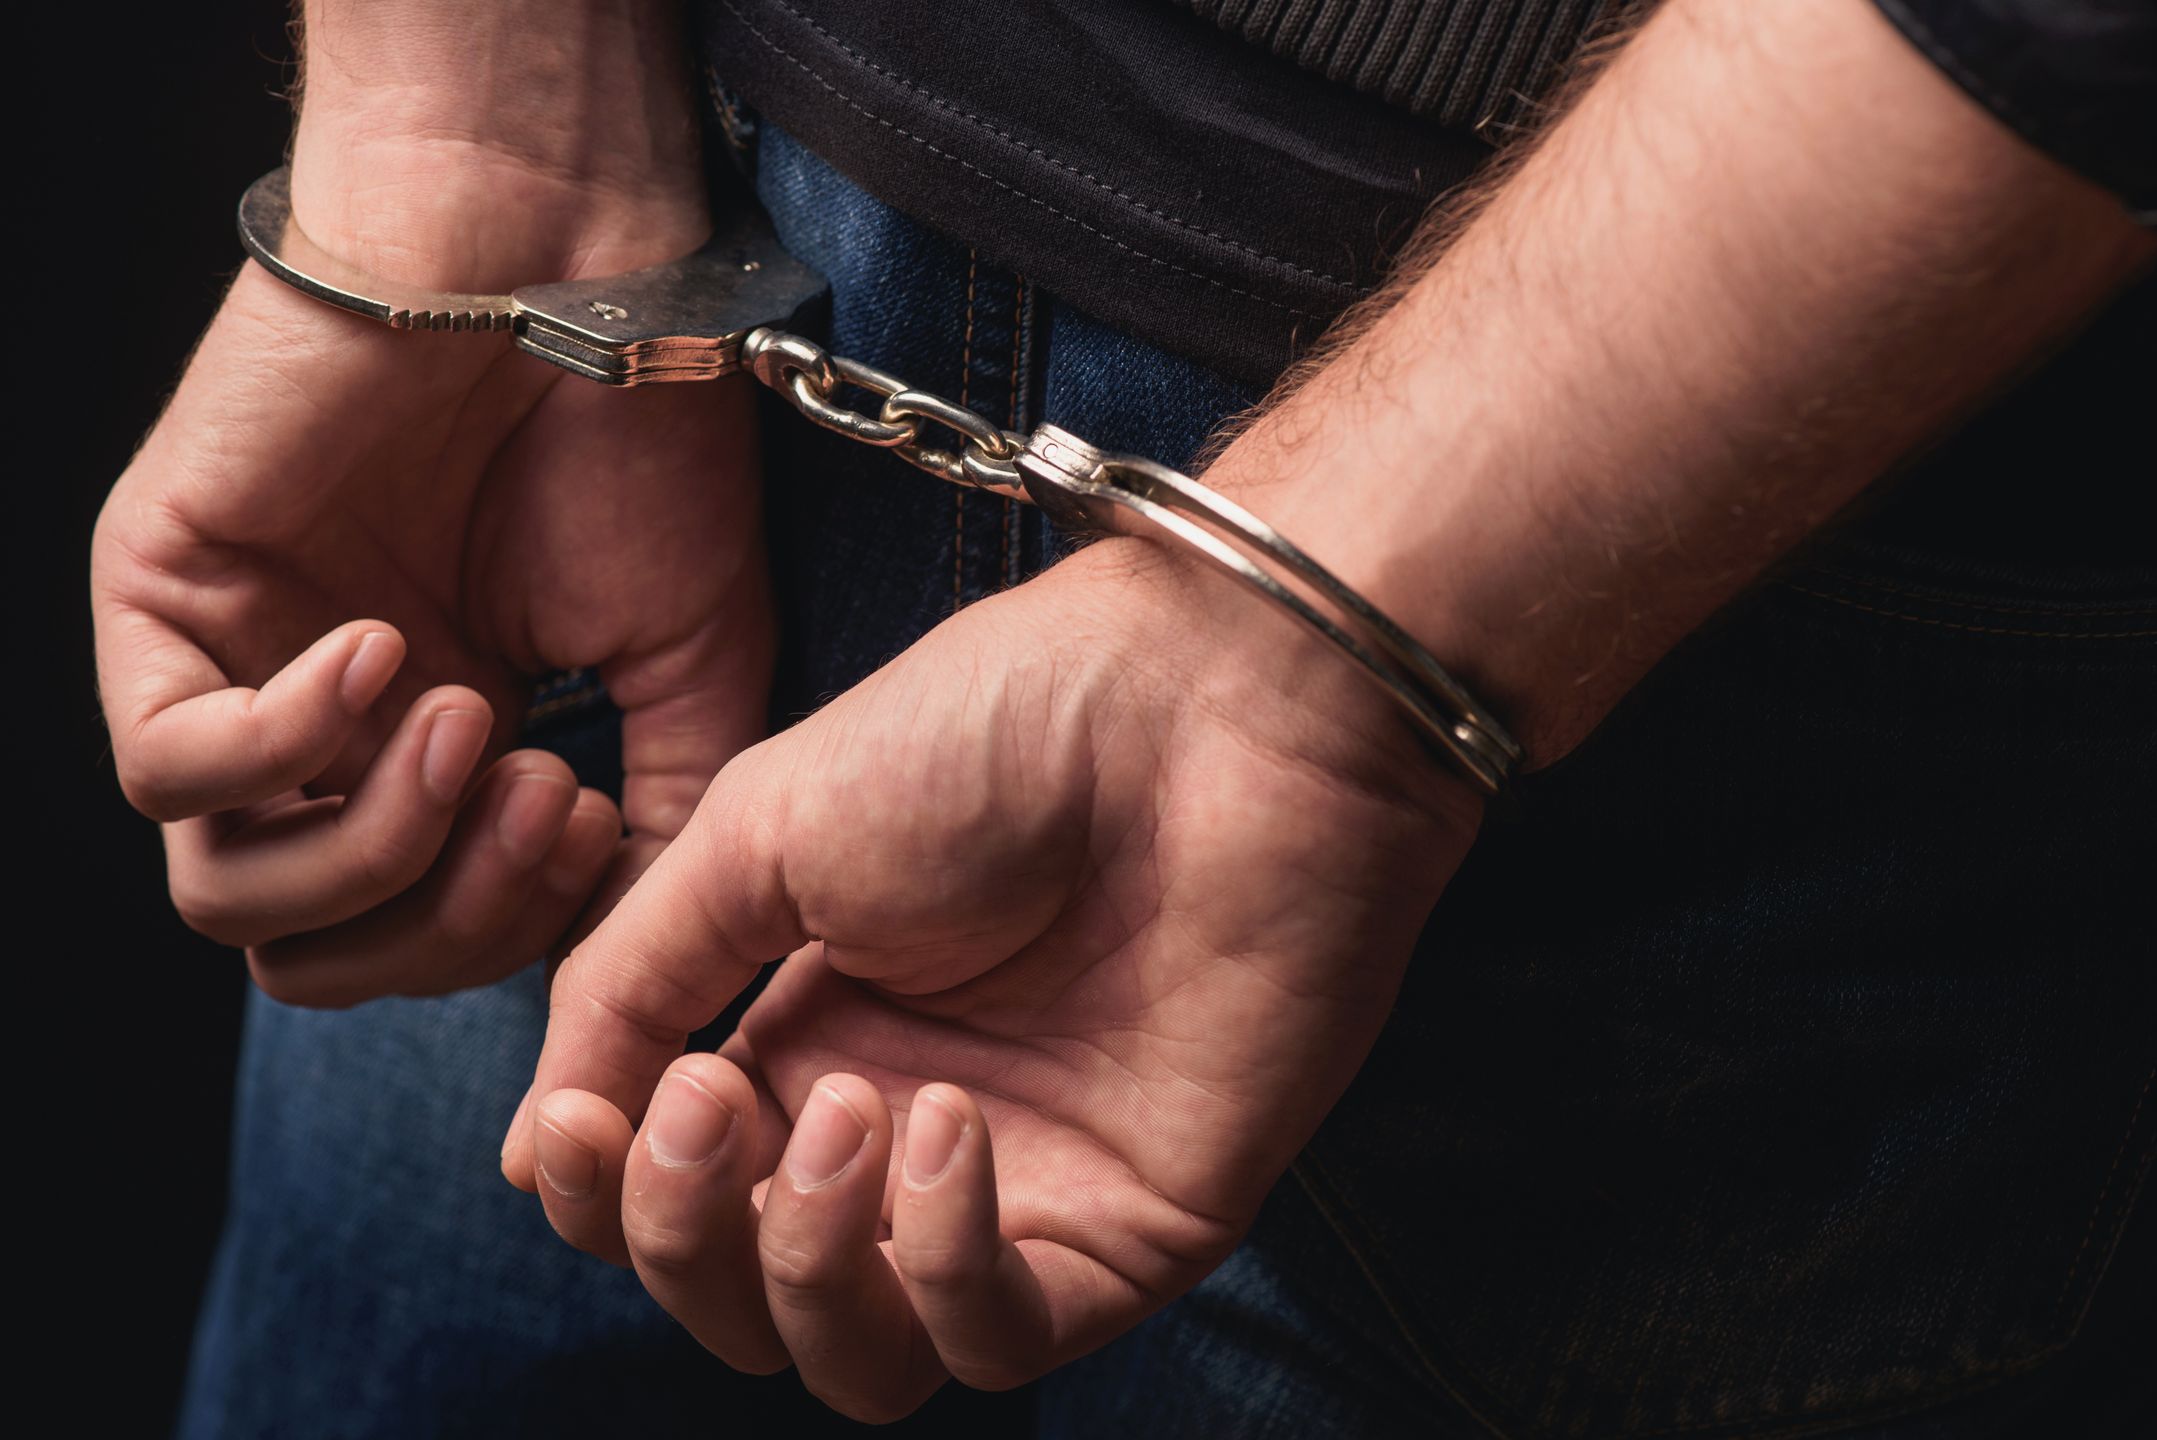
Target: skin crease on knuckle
303,985
800,1267
281,733
203,908
947,1265
387,858
670,1251
147,791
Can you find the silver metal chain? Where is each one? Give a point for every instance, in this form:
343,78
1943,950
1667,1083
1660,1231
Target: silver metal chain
717,313
1079,485
810,377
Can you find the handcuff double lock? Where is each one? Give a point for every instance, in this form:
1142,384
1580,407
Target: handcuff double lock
724,309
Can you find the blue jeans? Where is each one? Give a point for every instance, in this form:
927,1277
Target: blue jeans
1775,1066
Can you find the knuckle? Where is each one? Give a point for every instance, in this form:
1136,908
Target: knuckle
757,1359
205,909
279,740
662,1248
865,1408
796,1269
638,1000
291,984
939,1264
385,860
992,1373
466,930
143,789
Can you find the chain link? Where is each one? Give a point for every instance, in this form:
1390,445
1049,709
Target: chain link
810,377
675,332
1081,486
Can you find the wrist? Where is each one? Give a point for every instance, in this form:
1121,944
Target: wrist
1422,508
1194,645
512,144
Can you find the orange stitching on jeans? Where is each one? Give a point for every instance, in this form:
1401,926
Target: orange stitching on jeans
2089,1231
2026,608
1011,422
1973,629
958,496
1311,1176
1804,1425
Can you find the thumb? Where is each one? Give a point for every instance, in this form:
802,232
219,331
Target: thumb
711,911
689,708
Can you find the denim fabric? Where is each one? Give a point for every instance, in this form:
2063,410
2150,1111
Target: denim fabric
1776,1066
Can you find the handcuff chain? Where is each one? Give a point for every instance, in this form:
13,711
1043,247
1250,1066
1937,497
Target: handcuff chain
1079,485
715,312
809,377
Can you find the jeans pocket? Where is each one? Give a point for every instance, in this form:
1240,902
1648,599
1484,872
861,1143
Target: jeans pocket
1782,1061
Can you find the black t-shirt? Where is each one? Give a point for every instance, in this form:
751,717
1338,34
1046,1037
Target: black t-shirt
1224,177
1129,156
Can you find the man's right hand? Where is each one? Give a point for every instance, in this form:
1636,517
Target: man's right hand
325,584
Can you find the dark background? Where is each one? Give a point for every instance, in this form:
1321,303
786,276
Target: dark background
127,1023
157,118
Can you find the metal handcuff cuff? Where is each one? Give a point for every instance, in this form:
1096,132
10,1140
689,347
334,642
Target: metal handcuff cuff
723,310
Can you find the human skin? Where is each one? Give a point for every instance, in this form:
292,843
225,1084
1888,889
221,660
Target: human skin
1089,918
326,580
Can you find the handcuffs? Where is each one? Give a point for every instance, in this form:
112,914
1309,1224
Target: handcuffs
723,309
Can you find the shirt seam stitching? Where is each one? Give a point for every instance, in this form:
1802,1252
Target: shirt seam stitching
1038,153
851,103
1965,626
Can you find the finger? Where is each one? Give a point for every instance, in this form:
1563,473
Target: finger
687,1216
187,743
980,1300
834,1298
688,710
581,1144
526,850
630,859
310,865
697,926
698,699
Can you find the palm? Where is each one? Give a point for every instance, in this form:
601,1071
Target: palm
506,519
1163,1037
1132,913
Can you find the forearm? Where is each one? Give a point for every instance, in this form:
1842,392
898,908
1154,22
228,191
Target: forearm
1770,251
479,146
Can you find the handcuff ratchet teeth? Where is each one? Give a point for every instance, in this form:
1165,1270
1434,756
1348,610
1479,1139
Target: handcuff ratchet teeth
684,320
725,309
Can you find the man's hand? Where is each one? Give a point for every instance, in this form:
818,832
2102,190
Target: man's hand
1089,927
327,580
1108,918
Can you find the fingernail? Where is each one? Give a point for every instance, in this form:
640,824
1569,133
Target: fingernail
532,815
687,1124
373,661
516,1121
454,740
826,1139
570,1168
932,1138
580,851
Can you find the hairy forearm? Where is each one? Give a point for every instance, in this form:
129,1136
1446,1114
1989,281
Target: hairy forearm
485,144
1769,251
